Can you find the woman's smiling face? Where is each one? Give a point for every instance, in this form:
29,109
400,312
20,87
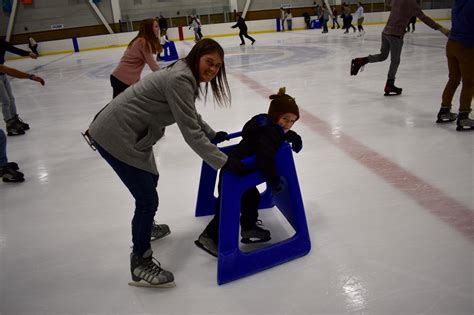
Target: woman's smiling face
209,66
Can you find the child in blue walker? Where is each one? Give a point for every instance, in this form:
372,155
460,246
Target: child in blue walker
262,136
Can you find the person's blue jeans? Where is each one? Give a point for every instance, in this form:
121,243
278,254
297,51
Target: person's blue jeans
6,98
142,185
3,148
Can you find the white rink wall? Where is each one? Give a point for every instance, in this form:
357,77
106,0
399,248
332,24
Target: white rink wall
212,30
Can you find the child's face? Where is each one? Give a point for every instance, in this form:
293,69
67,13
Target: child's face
286,121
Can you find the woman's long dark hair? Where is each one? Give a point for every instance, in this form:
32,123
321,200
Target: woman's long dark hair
146,32
219,85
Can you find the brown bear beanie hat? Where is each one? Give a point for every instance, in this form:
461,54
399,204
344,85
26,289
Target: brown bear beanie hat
281,104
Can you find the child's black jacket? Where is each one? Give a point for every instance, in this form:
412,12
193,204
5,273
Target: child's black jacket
261,137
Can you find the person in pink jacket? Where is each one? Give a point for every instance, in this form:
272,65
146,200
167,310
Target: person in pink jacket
139,52
392,40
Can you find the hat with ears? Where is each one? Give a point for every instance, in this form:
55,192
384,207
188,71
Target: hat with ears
281,104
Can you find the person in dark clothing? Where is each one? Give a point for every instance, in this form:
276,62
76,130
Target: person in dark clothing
163,24
262,136
459,52
307,20
347,19
15,125
334,18
412,22
243,29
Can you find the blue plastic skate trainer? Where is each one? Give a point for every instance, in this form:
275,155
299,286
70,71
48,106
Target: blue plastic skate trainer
233,264
170,51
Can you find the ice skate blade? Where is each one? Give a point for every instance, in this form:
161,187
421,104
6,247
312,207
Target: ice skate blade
144,284
198,244
461,128
391,94
159,238
441,121
250,241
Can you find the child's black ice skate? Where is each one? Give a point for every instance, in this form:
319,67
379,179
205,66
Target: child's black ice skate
159,231
445,115
147,272
206,243
391,90
464,123
358,64
254,234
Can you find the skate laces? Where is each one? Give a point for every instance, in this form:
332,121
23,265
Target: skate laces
152,267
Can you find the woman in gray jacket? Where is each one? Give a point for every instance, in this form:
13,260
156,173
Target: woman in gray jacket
125,131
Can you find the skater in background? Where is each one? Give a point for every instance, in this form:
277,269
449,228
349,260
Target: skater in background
196,26
289,19
392,40
307,20
139,52
325,19
243,29
412,22
347,20
460,55
359,14
163,24
9,171
262,136
334,18
282,18
14,124
33,45
125,131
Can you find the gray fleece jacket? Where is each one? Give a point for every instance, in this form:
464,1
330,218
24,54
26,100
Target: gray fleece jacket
133,122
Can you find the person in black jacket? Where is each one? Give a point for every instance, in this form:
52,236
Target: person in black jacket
243,29
163,23
15,126
262,136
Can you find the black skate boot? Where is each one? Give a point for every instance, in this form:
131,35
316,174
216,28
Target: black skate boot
207,243
159,231
13,128
391,89
21,123
445,115
358,64
10,173
254,234
147,272
464,123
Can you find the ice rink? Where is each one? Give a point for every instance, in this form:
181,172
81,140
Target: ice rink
388,192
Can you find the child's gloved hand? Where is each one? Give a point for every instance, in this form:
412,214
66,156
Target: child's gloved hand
219,137
235,166
295,140
277,185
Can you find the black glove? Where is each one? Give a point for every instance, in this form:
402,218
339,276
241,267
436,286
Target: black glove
277,185
219,137
235,166
295,140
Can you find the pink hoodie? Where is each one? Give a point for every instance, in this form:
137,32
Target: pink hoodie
402,11
132,62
